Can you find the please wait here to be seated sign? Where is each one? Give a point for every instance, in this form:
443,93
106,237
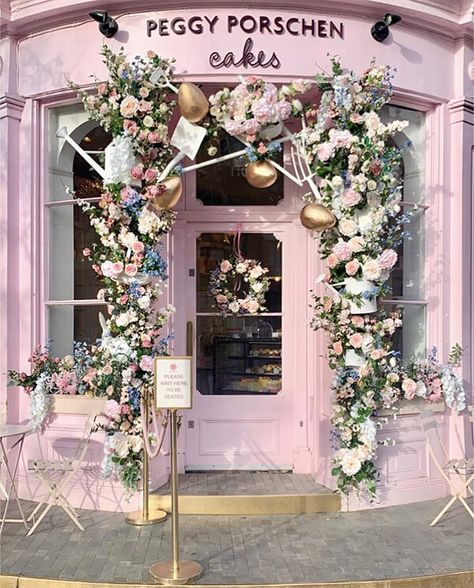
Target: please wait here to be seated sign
173,387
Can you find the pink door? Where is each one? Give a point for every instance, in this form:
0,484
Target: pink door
242,417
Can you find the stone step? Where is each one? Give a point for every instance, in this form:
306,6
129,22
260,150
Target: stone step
247,493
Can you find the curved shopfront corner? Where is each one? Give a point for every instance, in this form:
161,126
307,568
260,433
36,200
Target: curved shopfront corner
262,398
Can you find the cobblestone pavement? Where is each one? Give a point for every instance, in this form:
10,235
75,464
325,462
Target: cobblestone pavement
383,543
235,483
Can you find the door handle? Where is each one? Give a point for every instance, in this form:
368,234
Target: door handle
189,338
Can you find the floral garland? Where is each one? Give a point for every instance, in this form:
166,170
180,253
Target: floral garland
349,150
226,286
256,109
127,258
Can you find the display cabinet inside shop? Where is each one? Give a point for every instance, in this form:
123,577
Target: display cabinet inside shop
247,366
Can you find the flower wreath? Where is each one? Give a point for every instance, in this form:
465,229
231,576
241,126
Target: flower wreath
226,286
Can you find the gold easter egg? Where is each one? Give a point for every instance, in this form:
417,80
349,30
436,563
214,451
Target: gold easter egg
260,174
192,102
317,217
170,197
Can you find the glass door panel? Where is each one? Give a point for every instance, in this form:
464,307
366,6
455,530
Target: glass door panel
239,355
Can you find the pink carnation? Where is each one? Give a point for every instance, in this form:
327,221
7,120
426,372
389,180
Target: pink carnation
342,251
388,259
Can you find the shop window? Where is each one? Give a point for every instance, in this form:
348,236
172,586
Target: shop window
224,184
239,354
408,276
72,307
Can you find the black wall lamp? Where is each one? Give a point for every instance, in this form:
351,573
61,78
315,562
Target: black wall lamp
107,25
380,31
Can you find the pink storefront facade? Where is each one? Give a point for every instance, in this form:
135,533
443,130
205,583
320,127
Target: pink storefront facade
45,44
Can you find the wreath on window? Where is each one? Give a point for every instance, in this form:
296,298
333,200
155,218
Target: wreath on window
238,286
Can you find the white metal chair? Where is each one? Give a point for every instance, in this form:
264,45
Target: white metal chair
458,473
56,474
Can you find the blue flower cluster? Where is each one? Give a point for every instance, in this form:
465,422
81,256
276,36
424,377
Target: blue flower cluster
154,264
133,202
134,398
134,290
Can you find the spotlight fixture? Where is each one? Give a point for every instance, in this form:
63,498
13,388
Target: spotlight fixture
107,25
380,31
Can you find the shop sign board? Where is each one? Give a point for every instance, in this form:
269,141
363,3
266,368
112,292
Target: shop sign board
173,382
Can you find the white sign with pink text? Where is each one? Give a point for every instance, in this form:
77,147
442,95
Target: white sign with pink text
173,382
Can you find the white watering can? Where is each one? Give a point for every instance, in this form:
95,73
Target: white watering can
353,359
354,286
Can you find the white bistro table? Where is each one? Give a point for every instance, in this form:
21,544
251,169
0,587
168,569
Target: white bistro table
9,489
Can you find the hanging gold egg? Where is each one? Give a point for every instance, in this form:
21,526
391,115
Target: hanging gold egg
170,197
317,217
192,102
260,174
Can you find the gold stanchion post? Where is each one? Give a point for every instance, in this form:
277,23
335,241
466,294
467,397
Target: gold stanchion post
175,572
142,517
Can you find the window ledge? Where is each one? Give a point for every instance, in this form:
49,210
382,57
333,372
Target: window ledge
413,407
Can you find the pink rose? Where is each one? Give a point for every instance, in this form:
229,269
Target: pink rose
221,299
409,387
350,197
146,363
150,174
375,167
153,137
146,340
261,149
352,267
129,107
388,259
123,298
377,354
130,269
138,247
102,88
130,127
145,106
356,117
86,252
342,251
337,347
355,340
225,266
117,267
253,306
332,260
137,173
357,321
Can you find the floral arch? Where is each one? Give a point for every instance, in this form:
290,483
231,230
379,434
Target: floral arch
344,155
